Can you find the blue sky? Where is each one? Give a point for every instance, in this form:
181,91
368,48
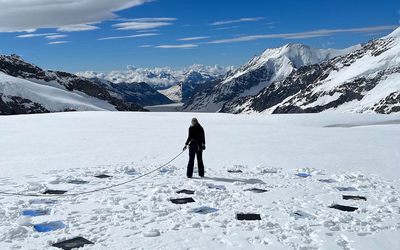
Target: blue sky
104,35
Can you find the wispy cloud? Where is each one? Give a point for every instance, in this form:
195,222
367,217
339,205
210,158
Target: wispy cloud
145,46
37,14
147,31
308,34
238,21
193,38
140,25
77,27
148,19
58,42
183,46
227,28
55,37
36,35
123,37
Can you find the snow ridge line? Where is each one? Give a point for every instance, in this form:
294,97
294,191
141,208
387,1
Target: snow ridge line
96,190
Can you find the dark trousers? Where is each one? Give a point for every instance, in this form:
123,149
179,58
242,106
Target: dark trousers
193,151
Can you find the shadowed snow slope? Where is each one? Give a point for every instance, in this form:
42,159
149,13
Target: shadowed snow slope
46,151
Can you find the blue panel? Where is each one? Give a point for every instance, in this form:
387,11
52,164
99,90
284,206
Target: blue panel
36,212
131,172
270,171
205,210
50,226
43,201
166,171
196,171
304,175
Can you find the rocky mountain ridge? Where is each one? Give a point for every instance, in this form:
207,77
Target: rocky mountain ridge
366,80
272,65
15,68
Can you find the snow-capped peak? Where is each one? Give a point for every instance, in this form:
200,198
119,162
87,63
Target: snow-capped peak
18,57
395,33
159,78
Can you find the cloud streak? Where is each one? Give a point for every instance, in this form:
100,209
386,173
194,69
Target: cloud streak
193,38
53,37
58,42
36,35
124,37
238,21
63,14
140,25
307,34
147,19
77,27
183,46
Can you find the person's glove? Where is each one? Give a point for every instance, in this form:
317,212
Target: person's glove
204,147
184,148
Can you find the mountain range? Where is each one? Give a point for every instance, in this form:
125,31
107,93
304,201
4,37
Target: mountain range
272,65
294,78
366,80
25,88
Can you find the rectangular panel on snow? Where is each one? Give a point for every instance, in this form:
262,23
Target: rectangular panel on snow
43,201
350,197
47,227
304,175
131,173
73,243
205,210
35,213
346,189
78,182
344,208
185,191
235,171
256,190
182,200
55,192
248,217
102,176
327,180
270,171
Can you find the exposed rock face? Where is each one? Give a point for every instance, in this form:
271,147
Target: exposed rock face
364,81
14,66
140,93
12,105
272,65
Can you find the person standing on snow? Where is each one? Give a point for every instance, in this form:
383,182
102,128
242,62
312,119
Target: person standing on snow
197,143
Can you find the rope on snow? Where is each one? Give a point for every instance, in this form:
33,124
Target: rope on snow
96,190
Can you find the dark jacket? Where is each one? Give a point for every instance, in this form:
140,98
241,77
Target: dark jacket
196,136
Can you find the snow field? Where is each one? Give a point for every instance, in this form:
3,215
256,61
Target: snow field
42,152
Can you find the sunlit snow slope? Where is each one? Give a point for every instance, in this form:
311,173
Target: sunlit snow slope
46,151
